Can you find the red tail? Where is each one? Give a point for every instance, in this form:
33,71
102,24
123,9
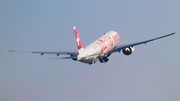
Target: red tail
78,41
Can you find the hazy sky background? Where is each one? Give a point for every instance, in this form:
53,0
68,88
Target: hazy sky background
151,73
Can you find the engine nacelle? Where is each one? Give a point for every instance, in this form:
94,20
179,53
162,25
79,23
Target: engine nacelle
128,51
75,59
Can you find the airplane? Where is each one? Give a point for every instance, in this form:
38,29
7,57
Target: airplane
100,49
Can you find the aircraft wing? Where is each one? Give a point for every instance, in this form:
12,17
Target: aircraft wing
75,52
118,48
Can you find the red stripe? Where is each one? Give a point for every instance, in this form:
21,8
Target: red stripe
78,42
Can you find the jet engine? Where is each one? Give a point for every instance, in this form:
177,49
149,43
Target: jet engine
75,59
128,51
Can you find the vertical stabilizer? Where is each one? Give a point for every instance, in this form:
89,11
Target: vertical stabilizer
78,41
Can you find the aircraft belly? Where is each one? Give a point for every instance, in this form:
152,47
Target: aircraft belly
87,60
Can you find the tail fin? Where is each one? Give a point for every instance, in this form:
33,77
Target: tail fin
78,41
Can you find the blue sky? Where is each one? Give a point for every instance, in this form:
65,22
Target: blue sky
151,73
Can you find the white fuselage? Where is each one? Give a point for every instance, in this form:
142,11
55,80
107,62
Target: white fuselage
103,44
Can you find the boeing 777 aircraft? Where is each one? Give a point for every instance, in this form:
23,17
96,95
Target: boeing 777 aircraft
100,49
